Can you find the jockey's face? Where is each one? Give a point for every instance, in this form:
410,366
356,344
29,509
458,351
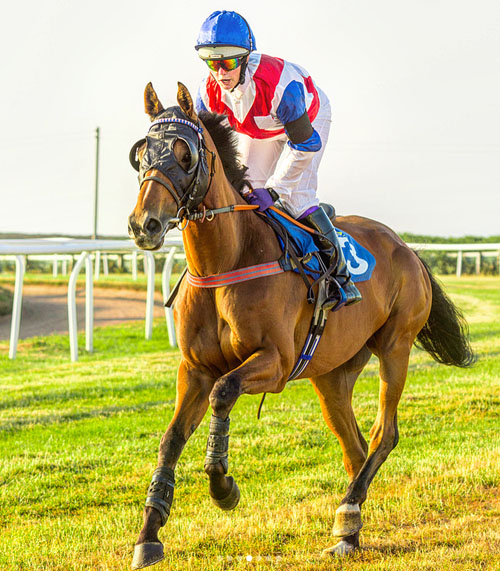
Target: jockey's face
227,79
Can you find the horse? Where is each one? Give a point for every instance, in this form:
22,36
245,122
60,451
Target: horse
244,338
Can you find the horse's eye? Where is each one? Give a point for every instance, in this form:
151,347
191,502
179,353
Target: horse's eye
185,154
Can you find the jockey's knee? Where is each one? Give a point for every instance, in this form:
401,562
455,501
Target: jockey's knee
224,394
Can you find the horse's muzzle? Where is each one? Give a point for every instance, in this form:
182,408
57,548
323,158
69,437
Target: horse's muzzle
148,233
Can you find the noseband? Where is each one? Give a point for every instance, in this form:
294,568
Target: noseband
189,187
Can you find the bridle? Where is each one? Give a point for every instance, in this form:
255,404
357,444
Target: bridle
189,187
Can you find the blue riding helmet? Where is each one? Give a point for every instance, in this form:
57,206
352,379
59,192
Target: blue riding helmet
225,35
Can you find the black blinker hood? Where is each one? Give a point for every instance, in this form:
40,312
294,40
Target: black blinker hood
191,186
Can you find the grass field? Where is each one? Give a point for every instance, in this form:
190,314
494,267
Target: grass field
78,445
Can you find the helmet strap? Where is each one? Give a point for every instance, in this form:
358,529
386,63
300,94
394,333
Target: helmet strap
243,70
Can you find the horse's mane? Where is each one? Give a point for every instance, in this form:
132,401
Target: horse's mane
225,139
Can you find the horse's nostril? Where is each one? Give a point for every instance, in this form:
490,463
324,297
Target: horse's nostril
153,226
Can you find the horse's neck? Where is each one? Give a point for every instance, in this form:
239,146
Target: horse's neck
228,241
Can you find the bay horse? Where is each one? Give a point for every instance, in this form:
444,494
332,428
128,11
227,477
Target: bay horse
244,338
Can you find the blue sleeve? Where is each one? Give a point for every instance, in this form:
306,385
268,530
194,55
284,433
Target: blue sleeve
199,105
310,145
292,104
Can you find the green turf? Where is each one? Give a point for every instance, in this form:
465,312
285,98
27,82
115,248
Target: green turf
78,444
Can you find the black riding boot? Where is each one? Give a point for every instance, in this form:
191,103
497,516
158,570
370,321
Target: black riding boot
330,247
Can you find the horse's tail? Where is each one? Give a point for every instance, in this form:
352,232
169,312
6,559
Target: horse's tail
445,336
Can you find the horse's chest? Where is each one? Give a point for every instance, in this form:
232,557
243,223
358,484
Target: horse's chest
232,344
215,341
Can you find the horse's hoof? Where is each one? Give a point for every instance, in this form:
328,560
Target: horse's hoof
231,500
347,520
146,554
342,549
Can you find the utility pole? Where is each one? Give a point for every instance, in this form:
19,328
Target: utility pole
97,136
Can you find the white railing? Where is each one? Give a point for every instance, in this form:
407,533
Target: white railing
18,250
472,250
62,248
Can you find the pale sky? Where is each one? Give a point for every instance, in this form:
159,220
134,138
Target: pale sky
414,86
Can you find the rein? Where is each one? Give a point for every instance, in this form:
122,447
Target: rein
209,215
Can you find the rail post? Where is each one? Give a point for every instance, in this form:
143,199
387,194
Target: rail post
165,282
459,263
17,306
149,263
72,316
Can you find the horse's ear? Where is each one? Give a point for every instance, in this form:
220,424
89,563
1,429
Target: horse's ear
152,104
185,101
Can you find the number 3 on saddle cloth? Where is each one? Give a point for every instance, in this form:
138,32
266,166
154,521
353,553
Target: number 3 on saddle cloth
360,262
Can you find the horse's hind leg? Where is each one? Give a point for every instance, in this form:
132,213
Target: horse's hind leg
393,351
335,394
193,389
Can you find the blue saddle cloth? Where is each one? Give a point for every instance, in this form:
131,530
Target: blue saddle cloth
359,260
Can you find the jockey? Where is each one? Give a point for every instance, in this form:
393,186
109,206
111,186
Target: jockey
282,119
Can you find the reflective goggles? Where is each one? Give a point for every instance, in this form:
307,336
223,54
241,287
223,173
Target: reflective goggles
229,64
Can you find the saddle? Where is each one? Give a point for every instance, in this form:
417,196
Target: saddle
300,253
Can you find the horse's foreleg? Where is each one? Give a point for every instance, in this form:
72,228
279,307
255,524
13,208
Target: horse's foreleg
262,372
193,389
223,489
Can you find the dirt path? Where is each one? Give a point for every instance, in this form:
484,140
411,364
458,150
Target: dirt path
45,309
